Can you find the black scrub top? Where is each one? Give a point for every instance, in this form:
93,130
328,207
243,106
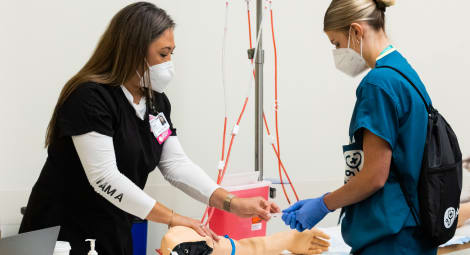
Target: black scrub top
63,195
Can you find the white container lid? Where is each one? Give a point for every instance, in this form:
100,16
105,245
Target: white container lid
240,179
247,186
61,246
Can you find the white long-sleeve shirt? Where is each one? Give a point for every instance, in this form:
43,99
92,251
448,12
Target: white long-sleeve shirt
96,153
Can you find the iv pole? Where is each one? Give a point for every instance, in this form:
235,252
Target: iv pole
259,62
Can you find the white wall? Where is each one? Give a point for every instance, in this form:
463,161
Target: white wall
43,43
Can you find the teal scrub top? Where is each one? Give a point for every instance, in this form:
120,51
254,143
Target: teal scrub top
388,106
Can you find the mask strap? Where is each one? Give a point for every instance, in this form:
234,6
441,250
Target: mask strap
141,77
349,40
349,37
142,83
361,47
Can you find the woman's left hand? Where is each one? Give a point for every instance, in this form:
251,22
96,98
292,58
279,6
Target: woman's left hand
252,207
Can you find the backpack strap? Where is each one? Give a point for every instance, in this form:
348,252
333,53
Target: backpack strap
429,108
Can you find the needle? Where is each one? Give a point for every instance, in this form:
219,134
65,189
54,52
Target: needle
276,215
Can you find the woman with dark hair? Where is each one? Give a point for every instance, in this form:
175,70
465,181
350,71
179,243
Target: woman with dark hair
106,135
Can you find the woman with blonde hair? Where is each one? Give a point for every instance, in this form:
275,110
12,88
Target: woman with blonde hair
111,127
387,139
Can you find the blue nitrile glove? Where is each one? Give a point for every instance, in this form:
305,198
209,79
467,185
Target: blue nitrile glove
306,212
289,214
299,227
289,218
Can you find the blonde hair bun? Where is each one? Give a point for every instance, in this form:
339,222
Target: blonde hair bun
385,3
342,13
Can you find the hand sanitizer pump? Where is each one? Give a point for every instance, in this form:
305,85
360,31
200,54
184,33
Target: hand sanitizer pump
92,247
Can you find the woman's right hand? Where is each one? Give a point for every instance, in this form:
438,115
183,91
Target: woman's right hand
180,220
254,207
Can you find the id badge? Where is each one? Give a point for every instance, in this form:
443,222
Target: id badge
160,127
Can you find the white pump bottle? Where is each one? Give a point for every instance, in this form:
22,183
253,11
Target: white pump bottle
92,247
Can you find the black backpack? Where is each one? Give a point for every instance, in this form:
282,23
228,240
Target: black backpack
440,181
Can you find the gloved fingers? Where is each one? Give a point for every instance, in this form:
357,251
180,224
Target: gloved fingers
293,221
305,226
284,217
293,225
310,226
299,227
293,207
289,218
309,218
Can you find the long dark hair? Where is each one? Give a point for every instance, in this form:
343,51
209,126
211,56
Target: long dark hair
120,52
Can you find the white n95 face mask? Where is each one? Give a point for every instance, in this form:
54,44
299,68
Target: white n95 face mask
349,61
160,76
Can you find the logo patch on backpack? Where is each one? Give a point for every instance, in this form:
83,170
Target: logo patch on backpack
449,217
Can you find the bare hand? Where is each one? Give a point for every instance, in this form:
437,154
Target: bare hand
252,207
179,220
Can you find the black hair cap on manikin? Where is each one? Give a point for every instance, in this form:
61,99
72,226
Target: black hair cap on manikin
193,248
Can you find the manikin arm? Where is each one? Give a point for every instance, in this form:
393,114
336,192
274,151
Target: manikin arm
464,214
307,242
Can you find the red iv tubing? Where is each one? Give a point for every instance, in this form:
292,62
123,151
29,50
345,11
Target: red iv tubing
223,164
